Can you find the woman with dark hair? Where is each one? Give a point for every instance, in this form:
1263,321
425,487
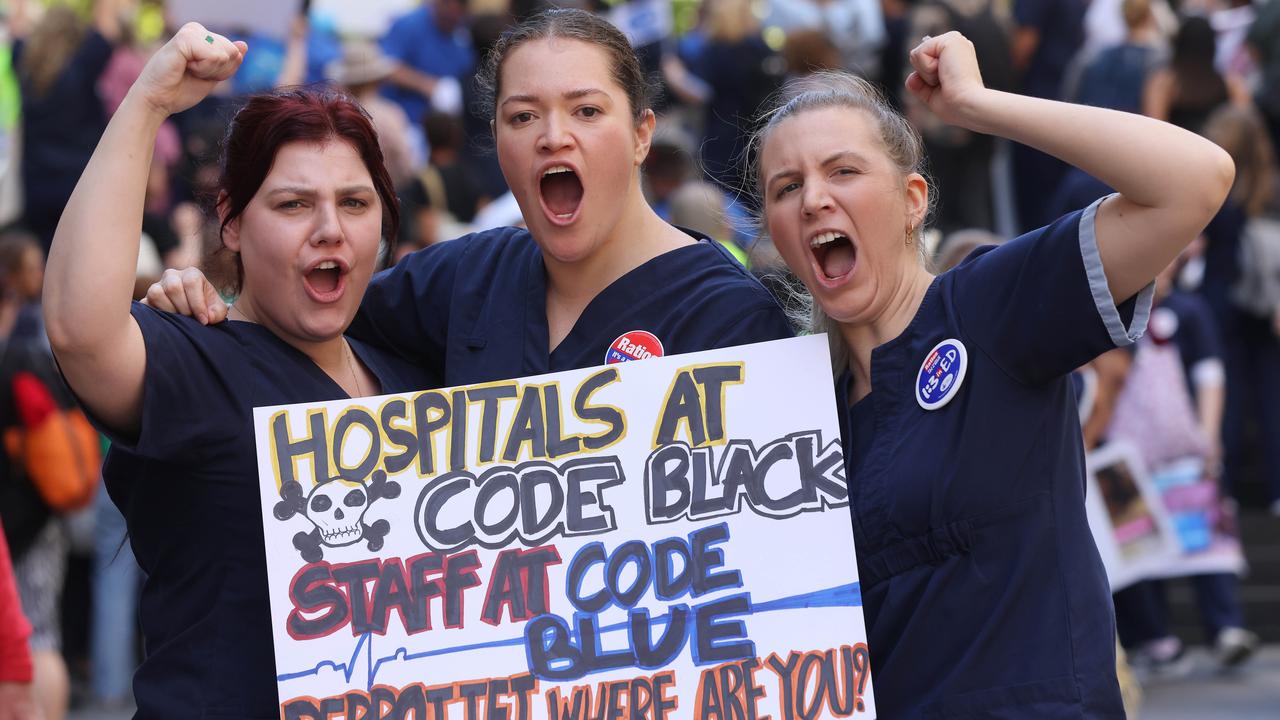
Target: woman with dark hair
1188,91
304,201
597,277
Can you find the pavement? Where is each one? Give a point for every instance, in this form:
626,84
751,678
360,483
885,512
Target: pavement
1251,692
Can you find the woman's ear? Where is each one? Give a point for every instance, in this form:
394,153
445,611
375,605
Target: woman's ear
644,135
917,189
230,234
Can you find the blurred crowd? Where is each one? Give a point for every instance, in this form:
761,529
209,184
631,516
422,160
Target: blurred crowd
1211,66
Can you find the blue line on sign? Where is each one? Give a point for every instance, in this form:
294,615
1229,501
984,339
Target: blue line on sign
347,668
840,596
403,653
844,595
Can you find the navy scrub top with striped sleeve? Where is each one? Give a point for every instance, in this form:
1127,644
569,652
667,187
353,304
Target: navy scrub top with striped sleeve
984,593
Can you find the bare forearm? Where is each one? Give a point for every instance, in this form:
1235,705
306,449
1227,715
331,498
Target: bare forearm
1147,161
407,77
294,69
1112,368
1210,400
19,20
689,87
90,274
1171,182
106,17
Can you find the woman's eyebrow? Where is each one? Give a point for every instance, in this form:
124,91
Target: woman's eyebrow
582,92
845,155
780,174
309,191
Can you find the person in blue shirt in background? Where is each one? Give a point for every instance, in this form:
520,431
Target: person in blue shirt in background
984,593
427,44
596,278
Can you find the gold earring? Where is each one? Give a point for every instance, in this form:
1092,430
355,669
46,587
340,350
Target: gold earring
908,235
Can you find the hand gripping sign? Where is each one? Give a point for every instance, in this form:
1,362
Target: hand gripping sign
656,540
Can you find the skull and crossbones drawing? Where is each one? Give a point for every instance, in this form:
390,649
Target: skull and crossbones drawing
336,508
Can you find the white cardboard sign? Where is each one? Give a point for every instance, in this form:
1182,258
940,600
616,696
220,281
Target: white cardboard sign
1165,523
272,18
666,538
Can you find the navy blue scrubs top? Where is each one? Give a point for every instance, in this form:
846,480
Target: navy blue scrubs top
474,309
984,593
188,488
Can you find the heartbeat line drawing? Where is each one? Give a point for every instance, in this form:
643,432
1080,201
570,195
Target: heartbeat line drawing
849,595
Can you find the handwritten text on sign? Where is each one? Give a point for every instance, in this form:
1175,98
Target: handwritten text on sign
658,539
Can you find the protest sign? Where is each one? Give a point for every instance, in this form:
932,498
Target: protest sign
1170,522
643,21
1204,522
662,539
367,18
271,18
1129,524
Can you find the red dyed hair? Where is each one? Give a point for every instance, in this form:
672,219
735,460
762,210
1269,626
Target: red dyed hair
268,121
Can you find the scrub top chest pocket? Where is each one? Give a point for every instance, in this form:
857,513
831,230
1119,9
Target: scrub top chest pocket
976,449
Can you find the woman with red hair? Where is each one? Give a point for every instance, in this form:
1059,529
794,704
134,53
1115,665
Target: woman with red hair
304,202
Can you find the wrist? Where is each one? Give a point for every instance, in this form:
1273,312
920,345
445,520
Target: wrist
979,110
141,109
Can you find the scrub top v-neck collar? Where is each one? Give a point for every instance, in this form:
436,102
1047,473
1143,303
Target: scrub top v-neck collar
474,309
882,354
371,360
880,404
623,292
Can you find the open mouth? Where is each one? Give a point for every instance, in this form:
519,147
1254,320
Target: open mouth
835,253
561,192
325,281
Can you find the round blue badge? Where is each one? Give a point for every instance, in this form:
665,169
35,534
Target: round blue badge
941,374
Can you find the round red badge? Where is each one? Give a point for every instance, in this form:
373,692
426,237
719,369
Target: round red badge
634,345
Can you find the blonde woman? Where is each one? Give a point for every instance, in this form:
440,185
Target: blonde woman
983,591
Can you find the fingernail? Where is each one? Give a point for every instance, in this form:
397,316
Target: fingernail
203,320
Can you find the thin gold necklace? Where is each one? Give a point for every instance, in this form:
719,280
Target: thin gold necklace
351,365
350,354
